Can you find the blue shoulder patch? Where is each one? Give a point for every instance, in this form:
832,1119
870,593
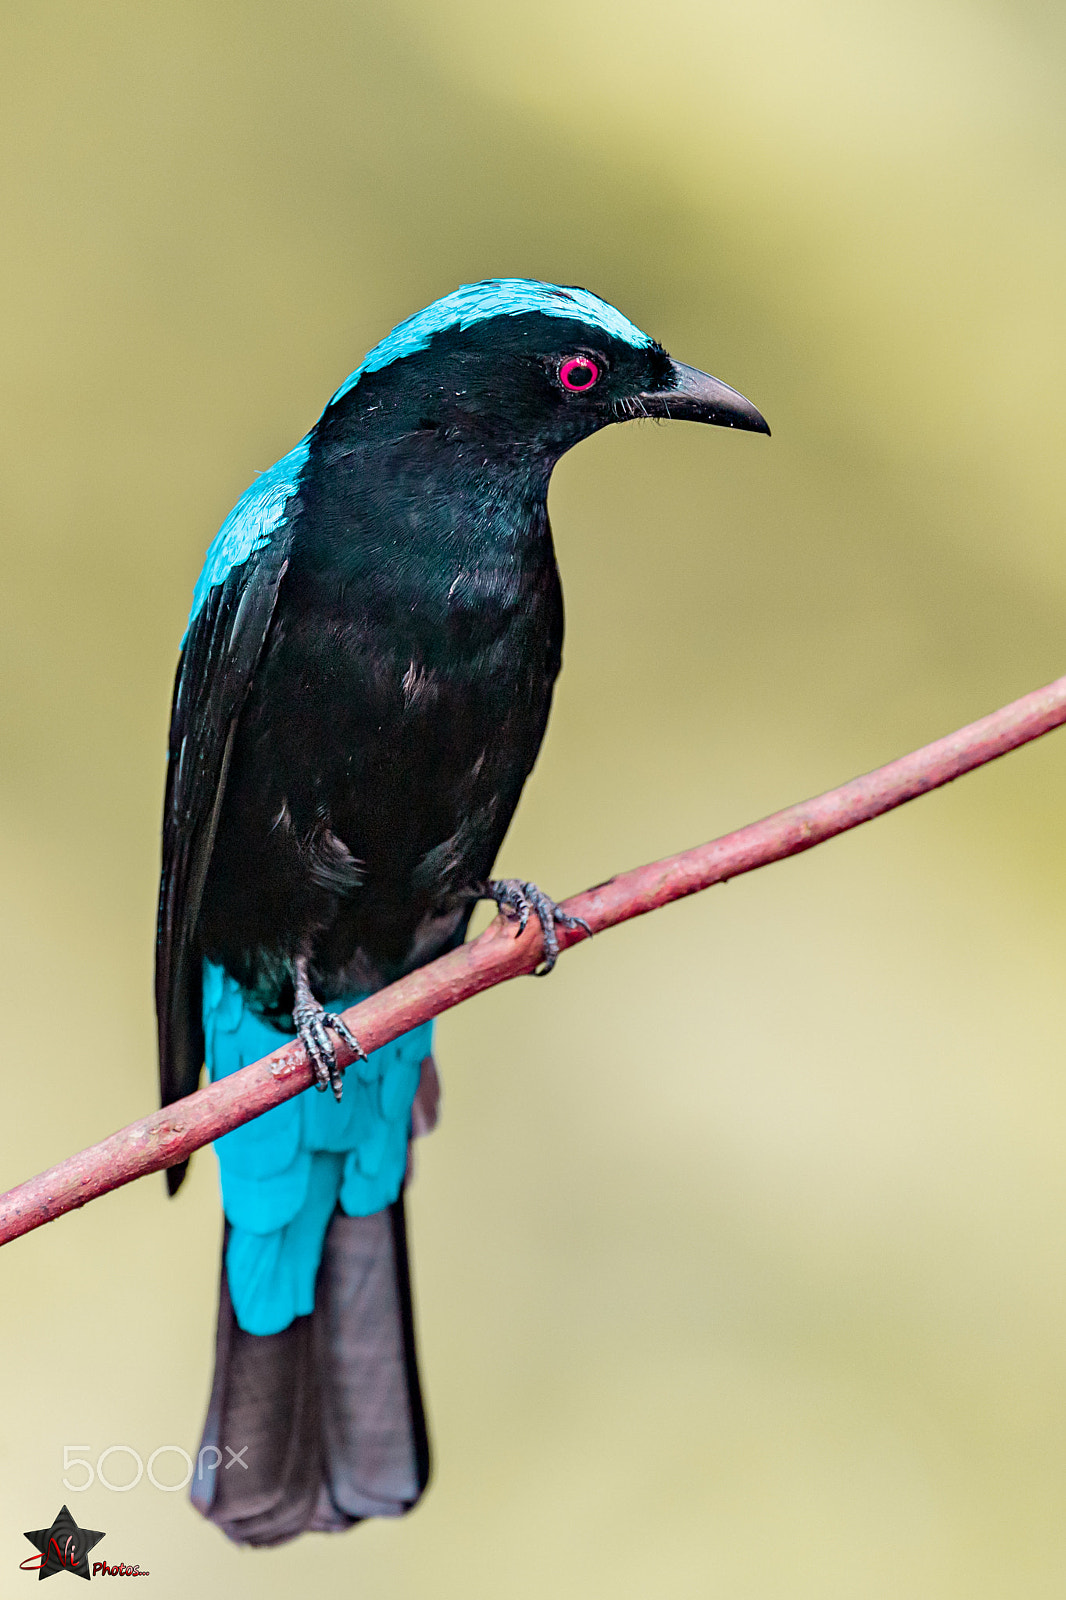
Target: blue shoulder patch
258,513
496,297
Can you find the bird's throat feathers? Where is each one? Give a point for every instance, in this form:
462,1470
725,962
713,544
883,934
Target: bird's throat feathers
428,515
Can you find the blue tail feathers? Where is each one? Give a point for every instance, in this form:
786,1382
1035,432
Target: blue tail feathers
284,1174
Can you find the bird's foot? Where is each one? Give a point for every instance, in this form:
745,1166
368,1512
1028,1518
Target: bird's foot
313,1025
519,899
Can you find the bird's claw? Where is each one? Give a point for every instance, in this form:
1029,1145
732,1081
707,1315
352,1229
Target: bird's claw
519,899
313,1025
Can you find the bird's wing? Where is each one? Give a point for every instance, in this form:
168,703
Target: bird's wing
232,608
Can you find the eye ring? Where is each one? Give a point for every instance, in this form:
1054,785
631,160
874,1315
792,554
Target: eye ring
579,374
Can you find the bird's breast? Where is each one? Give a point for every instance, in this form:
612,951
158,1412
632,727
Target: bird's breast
395,714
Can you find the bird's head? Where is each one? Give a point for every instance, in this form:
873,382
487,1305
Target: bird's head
516,364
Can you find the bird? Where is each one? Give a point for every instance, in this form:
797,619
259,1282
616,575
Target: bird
361,693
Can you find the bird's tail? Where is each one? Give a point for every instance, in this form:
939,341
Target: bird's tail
321,1425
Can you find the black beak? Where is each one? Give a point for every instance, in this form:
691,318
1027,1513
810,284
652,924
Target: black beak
694,396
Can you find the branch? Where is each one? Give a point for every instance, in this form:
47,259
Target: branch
171,1135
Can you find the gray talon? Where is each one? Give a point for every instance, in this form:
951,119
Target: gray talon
313,1022
342,1030
522,898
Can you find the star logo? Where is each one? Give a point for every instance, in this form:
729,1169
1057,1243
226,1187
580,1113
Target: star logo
64,1547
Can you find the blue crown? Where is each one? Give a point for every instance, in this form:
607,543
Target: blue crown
495,297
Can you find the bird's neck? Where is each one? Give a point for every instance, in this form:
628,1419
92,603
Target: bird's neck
435,523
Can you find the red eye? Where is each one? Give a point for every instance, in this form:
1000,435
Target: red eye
578,374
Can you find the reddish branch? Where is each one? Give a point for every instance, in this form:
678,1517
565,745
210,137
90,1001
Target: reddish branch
169,1136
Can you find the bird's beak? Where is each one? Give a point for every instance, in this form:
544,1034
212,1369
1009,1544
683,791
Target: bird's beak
694,396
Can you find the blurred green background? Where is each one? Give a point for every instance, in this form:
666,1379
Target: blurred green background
739,1252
